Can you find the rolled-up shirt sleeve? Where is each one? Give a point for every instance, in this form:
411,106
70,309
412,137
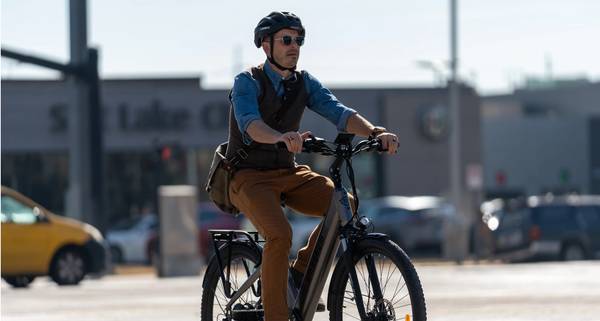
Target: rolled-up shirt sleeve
244,98
324,103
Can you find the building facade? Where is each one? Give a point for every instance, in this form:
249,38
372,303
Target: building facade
542,140
164,131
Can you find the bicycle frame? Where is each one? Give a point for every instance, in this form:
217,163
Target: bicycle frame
303,303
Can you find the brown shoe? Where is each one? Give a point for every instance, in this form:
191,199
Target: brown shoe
297,277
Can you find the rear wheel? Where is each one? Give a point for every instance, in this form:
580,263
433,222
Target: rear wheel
383,262
68,267
20,281
214,301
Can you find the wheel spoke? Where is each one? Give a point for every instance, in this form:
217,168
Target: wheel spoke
400,300
402,306
352,316
388,276
397,292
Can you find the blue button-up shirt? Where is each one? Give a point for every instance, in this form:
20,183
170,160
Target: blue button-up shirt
246,90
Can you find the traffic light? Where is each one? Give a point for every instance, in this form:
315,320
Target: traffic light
165,153
501,178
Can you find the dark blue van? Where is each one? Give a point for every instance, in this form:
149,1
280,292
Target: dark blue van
566,228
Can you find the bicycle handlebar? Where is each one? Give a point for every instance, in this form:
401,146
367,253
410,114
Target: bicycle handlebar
321,146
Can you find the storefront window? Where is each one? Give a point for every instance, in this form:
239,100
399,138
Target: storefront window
41,177
134,177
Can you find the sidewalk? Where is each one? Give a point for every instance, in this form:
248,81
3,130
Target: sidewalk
131,269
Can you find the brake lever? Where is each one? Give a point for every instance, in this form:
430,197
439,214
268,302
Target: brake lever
376,145
313,144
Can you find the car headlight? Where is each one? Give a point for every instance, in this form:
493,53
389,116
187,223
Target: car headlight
94,232
493,223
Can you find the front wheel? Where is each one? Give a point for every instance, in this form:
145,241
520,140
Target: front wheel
379,263
116,254
68,267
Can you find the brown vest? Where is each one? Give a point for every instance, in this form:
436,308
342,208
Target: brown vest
293,102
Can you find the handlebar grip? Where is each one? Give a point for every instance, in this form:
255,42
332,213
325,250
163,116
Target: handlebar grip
380,147
281,145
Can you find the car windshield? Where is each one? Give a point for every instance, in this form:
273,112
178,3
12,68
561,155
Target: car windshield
514,217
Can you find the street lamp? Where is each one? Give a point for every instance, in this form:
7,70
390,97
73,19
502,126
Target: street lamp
438,74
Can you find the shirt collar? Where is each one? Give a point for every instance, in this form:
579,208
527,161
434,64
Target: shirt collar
273,75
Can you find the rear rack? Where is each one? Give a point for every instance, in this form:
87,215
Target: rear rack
220,237
230,235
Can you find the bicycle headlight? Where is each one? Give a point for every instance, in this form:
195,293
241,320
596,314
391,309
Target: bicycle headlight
363,222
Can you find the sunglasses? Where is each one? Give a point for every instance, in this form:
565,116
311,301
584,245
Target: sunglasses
287,40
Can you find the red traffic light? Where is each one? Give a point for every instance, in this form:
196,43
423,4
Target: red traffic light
165,153
501,178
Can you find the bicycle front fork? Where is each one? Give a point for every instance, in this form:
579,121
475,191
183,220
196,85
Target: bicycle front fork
373,279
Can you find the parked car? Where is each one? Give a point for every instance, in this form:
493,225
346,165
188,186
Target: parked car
566,228
128,239
415,223
209,217
36,242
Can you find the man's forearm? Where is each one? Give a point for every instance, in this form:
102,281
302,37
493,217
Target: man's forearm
358,125
260,132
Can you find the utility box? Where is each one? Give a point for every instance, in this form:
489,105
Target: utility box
178,245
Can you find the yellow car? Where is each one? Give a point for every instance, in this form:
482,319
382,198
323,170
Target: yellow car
36,242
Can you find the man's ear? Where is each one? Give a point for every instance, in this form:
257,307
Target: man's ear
267,48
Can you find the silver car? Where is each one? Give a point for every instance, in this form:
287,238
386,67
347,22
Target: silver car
415,223
128,242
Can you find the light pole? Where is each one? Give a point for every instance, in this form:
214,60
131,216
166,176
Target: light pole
459,240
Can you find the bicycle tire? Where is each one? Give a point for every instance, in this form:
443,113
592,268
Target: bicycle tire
212,281
340,304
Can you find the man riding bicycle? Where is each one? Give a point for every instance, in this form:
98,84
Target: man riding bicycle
268,102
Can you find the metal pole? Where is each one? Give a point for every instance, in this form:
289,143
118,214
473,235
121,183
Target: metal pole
458,247
96,142
78,201
46,63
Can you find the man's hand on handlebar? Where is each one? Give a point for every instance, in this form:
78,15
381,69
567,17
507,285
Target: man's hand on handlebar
293,140
389,142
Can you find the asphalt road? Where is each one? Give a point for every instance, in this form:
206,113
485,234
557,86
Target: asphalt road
528,292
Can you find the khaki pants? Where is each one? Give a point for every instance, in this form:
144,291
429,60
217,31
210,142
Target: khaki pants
257,194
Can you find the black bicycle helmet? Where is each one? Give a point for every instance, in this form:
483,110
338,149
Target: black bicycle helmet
274,22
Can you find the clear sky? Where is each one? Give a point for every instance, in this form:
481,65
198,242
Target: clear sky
349,43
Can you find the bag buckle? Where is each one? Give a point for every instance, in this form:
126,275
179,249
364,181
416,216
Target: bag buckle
239,155
242,153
